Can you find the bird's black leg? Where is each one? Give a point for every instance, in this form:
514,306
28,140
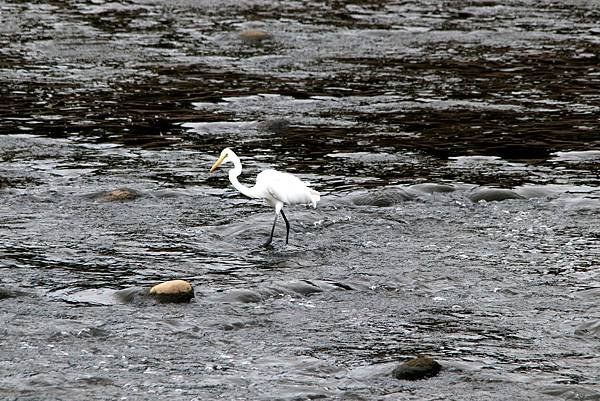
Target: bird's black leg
266,244
287,226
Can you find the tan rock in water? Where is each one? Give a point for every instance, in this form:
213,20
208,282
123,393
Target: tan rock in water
120,194
254,35
173,291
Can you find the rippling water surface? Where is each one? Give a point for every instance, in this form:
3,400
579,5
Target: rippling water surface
456,146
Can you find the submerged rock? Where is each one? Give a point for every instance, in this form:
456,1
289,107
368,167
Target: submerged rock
254,36
303,287
277,126
538,191
384,197
134,295
241,295
589,329
172,291
492,194
417,368
10,293
430,187
120,194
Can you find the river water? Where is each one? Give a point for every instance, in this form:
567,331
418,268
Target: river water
456,146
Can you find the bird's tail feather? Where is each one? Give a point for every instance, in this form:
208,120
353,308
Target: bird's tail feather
314,196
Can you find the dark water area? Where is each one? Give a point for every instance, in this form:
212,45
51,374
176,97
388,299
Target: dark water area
456,146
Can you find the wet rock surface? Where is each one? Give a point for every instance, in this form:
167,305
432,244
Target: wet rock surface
121,194
417,369
493,194
432,115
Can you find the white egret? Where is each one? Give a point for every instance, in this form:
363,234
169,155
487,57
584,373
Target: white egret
275,187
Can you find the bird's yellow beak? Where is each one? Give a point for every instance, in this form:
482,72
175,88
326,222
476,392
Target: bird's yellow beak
218,163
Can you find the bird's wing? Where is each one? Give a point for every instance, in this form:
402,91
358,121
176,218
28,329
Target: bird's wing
286,188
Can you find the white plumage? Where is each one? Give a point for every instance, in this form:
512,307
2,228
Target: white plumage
275,187
286,188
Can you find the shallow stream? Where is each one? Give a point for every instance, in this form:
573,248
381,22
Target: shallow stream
456,147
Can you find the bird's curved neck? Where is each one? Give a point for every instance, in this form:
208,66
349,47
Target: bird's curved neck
234,173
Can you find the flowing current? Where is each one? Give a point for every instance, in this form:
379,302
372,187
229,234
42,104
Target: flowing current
456,147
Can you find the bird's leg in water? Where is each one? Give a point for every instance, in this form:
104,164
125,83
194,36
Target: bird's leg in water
287,226
266,244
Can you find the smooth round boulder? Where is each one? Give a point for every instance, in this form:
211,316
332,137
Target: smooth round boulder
417,368
492,194
173,291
